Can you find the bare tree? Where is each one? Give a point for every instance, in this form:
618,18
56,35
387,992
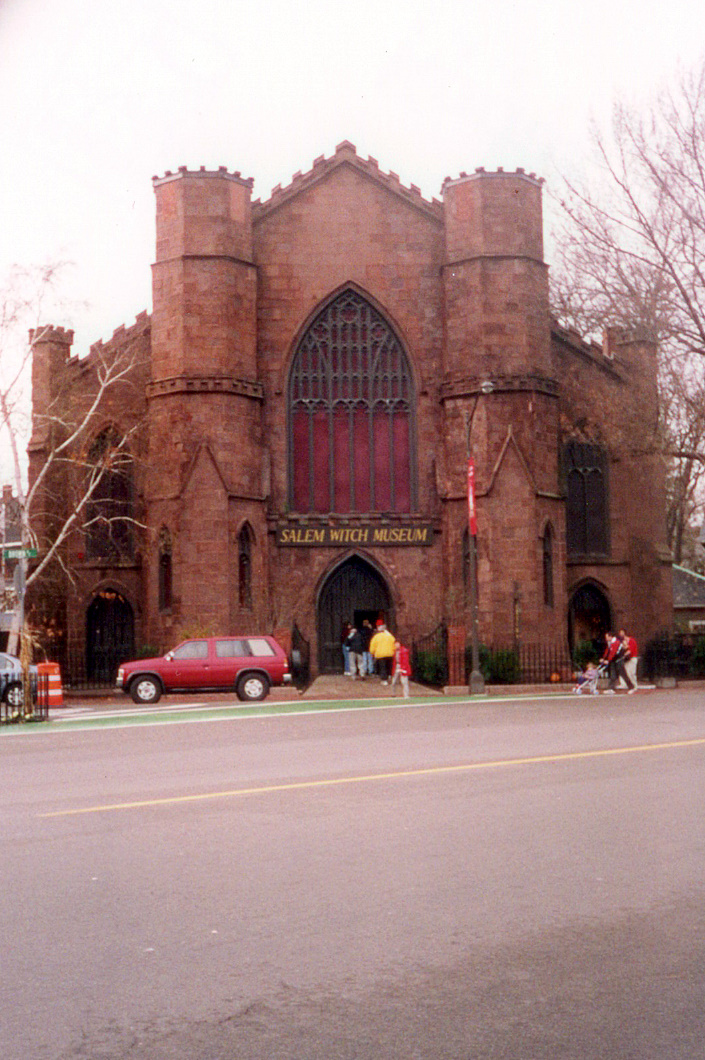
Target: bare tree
64,493
631,253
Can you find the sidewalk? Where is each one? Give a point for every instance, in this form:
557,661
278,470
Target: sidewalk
329,687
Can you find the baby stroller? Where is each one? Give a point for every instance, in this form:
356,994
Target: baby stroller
586,683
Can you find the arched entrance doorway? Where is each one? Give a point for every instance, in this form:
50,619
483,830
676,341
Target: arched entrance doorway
354,591
589,616
110,635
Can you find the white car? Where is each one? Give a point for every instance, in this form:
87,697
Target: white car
11,691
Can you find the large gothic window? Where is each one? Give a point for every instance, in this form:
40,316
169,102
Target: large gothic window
109,511
351,414
587,510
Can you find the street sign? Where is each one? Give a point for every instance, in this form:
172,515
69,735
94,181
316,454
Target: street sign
19,553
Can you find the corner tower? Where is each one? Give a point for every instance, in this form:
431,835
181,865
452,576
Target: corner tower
205,472
495,278
500,399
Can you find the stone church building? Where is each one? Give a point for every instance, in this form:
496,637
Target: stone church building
295,427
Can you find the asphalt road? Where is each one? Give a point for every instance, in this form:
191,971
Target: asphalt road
519,880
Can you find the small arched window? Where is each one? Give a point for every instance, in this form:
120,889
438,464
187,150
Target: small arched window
165,570
351,414
244,567
109,510
547,542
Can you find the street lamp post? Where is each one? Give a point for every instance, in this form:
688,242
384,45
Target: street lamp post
477,681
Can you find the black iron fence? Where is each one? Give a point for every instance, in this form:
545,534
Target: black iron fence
542,662
504,664
668,655
429,658
679,655
13,709
75,674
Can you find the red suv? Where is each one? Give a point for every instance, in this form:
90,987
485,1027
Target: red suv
250,665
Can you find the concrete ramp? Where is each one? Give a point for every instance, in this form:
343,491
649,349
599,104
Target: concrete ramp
337,686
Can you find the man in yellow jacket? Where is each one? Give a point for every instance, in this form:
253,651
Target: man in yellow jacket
382,651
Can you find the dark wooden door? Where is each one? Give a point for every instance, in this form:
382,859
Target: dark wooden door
353,589
110,635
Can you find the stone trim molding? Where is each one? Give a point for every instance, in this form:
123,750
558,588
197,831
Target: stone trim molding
472,385
206,384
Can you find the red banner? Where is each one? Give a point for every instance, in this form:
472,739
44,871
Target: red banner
472,516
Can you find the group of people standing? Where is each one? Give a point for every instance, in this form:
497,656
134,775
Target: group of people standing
367,651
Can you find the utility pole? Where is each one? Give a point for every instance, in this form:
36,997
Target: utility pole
477,681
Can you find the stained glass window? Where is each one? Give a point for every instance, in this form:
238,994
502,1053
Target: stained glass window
351,414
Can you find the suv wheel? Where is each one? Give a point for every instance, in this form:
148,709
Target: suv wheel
145,690
252,687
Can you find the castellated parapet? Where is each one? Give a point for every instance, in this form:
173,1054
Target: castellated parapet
51,350
493,214
204,282
496,281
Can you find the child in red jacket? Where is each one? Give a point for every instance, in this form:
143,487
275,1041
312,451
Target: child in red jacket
402,668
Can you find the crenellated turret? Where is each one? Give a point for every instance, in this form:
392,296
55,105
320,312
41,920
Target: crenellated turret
204,283
51,349
495,278
499,396
205,397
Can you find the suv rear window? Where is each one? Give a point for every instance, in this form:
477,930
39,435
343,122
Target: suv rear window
230,649
260,646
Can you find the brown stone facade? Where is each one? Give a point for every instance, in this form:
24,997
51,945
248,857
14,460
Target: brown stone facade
462,286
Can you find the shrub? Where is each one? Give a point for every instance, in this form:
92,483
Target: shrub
697,658
430,668
583,653
500,666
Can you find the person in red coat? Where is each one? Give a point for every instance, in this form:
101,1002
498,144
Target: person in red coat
631,656
613,658
402,668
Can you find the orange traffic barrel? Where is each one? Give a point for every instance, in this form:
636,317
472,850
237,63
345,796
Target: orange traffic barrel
55,694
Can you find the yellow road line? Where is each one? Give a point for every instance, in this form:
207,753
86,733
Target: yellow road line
365,778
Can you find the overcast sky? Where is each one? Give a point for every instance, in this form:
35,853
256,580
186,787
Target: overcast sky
96,96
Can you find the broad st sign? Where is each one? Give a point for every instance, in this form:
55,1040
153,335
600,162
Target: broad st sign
326,536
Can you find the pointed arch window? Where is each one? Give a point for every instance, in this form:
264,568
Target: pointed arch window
244,567
351,414
165,570
587,509
109,512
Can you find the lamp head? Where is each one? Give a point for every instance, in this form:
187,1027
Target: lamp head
487,386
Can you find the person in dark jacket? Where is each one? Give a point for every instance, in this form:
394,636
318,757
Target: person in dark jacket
355,644
346,647
367,660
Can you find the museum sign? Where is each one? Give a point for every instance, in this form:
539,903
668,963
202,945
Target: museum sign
326,536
